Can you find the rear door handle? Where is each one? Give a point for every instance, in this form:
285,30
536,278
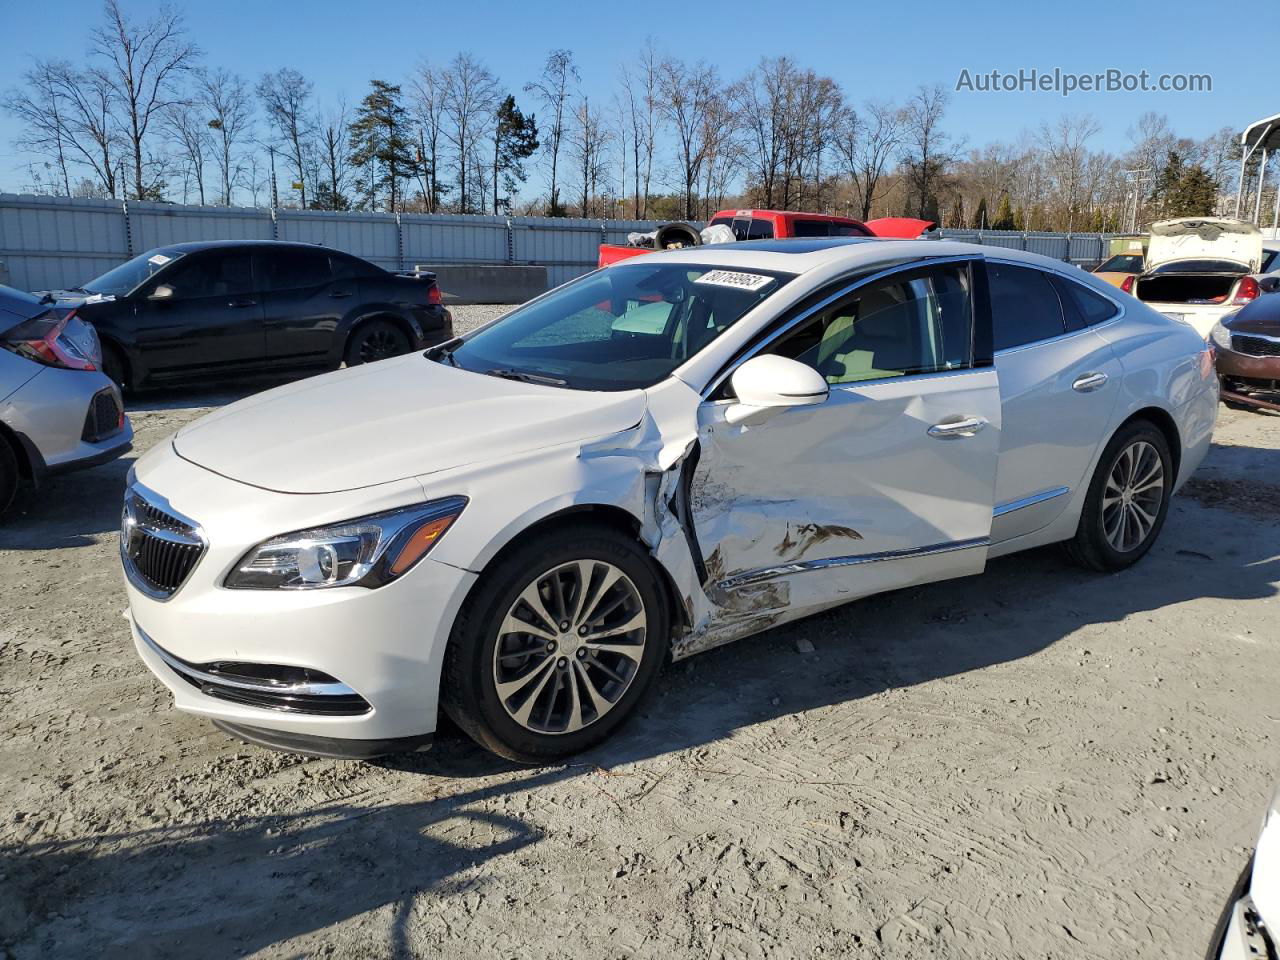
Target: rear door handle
243,303
340,293
957,428
1090,382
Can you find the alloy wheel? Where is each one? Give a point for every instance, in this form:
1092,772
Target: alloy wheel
1132,497
569,646
379,345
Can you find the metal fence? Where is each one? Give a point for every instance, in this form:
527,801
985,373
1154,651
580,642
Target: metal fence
55,242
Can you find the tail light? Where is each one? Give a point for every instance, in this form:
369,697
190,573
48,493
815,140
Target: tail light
1127,284
1248,290
55,342
433,295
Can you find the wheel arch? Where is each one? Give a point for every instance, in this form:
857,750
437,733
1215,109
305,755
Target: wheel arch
368,315
24,454
1165,423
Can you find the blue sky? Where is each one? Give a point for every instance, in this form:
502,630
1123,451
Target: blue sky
875,50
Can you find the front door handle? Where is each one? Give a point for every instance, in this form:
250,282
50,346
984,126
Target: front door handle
956,428
1090,382
340,293
243,303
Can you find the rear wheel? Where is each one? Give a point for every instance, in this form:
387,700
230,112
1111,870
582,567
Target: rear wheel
1127,501
556,646
9,475
376,340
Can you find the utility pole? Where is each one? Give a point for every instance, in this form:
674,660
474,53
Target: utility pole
275,197
1137,177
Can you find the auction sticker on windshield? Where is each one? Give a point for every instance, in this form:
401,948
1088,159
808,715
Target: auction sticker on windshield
159,259
731,278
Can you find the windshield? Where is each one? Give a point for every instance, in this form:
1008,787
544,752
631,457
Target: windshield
624,328
129,274
1123,263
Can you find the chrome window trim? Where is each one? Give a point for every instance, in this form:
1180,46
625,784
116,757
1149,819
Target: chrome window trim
827,301
180,666
1028,501
770,573
128,520
1120,307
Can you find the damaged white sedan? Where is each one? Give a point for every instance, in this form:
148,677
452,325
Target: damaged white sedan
520,526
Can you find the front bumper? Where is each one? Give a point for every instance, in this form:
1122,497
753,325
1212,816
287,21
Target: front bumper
384,646
1237,935
1244,375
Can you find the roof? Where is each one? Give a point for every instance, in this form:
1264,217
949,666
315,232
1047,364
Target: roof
191,246
1263,133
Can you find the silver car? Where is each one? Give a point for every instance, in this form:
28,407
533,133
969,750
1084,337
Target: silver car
58,412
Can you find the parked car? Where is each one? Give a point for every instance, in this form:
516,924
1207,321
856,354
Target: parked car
1117,268
219,308
764,225
1249,926
522,524
57,411
1199,269
1248,354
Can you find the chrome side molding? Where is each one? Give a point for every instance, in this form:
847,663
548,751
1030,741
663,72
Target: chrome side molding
786,569
1031,501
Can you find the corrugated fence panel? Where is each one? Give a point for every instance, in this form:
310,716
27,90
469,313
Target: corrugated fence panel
160,224
446,239
372,236
49,243
1078,248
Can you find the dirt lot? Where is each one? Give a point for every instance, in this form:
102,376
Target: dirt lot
1038,762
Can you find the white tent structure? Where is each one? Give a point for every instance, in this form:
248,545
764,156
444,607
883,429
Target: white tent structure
1261,137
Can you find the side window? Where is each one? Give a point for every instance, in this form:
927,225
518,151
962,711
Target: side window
212,275
1082,305
292,269
741,227
920,321
812,228
847,230
1024,306
760,230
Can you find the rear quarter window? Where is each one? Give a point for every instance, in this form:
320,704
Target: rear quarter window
1024,306
1083,307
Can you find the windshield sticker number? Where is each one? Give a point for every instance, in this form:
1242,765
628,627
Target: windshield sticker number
731,278
159,259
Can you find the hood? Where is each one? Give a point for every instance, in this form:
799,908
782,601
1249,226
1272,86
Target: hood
1205,238
1260,316
390,420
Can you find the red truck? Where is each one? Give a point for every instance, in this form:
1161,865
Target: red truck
769,225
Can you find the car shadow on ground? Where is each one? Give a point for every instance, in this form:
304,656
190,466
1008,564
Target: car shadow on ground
213,887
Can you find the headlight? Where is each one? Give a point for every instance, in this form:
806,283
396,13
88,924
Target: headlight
1221,336
365,552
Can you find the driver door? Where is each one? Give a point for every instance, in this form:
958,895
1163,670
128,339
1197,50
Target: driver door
888,482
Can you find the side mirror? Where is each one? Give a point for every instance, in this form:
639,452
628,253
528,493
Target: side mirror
768,383
1269,284
162,292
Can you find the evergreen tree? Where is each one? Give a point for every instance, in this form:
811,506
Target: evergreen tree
1184,191
1005,219
981,220
380,145
515,140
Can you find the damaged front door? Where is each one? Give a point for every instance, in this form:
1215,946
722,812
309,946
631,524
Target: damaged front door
888,482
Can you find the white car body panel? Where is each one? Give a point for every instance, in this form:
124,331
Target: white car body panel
522,453
1205,238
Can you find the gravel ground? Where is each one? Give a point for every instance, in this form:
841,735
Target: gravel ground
1038,762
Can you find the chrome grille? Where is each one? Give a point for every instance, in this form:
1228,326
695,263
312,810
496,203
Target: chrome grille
158,547
1255,346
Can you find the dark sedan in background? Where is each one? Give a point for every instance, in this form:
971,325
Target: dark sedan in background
1247,344
222,308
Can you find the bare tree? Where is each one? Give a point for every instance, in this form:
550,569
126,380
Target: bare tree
928,149
638,107
470,95
42,109
587,140
223,99
331,134
144,63
867,142
427,89
553,89
191,137
1067,159
286,98
688,92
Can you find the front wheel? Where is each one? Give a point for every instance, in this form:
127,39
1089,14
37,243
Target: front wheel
1127,501
557,645
376,340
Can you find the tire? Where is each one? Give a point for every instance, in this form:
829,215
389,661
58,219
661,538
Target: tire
9,475
376,340
113,366
532,720
1116,531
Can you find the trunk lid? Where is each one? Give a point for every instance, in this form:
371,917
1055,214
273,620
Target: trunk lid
1205,238
391,420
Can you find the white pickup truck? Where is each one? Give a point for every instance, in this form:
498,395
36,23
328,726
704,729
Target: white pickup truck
1199,269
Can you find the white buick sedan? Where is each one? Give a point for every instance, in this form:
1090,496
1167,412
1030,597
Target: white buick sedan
682,449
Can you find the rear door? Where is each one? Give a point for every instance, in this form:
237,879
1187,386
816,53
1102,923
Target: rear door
304,303
1059,382
212,321
888,482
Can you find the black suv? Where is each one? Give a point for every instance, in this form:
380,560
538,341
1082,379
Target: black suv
214,309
